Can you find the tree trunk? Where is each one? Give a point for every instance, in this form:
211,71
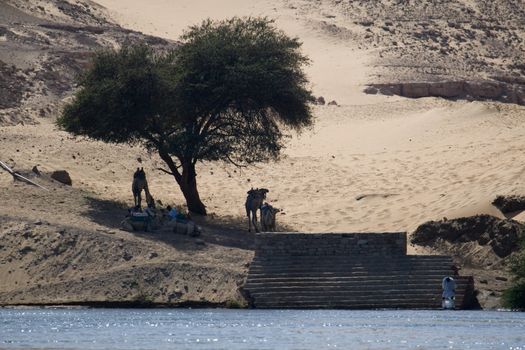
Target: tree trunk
187,182
188,186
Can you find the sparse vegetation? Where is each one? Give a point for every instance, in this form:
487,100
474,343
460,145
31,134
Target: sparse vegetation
514,297
229,92
235,304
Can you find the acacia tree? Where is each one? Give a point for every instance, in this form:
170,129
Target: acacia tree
230,92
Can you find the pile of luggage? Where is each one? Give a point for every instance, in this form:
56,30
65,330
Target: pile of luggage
153,219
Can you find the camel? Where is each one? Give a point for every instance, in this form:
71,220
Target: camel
253,203
268,217
140,183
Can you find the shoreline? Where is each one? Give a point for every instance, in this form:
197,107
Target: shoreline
204,305
125,305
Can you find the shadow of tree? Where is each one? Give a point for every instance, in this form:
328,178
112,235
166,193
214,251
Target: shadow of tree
228,231
106,212
231,230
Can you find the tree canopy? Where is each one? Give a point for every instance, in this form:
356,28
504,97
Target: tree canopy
230,91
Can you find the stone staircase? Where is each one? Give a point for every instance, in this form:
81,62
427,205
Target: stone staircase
350,271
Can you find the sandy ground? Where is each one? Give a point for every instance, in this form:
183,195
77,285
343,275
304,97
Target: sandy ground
370,164
413,160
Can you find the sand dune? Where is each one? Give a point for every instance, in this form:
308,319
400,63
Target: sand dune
414,159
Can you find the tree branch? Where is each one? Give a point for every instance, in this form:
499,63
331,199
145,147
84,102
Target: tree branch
166,171
236,164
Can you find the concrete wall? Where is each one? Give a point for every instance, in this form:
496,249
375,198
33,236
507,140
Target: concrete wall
331,244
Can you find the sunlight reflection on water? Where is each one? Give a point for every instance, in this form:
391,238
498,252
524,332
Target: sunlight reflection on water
259,329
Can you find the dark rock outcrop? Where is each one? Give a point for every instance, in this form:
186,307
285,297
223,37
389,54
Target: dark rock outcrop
62,176
469,90
502,236
415,90
509,204
320,100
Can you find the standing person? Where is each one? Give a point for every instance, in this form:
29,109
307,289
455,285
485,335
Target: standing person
449,293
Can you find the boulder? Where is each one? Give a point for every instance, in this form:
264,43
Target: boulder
333,103
371,90
36,171
62,176
320,100
502,236
509,204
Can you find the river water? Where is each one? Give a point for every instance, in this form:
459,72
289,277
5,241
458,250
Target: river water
259,329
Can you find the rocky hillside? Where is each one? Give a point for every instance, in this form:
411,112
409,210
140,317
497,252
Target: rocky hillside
481,245
45,44
474,47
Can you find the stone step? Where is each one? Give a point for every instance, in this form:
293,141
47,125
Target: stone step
331,262
258,257
350,271
349,276
399,275
342,282
345,284
354,306
357,275
349,298
417,266
351,263
347,290
337,289
384,290
342,296
342,269
352,303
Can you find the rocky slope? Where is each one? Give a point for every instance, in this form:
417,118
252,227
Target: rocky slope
481,245
44,46
454,49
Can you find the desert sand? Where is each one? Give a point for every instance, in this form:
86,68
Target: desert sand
371,163
413,160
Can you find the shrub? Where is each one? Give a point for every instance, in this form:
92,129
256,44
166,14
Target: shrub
514,297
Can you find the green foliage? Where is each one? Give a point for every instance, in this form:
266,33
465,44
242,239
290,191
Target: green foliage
229,92
514,297
517,265
121,97
241,78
